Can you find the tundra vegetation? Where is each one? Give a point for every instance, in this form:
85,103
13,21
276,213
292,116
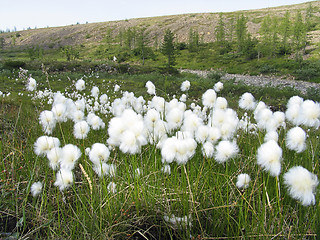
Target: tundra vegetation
111,142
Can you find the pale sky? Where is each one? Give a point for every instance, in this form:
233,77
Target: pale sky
42,13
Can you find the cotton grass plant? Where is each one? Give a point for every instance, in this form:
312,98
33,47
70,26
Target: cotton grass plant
152,166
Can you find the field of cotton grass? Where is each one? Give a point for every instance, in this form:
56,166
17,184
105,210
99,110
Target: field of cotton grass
101,162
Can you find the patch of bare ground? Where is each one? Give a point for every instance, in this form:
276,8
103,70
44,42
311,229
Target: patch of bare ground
261,81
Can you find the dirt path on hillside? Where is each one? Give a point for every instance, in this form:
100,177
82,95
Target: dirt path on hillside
302,86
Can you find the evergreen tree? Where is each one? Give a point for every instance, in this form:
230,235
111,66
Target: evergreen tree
299,35
220,33
130,38
274,36
265,36
1,43
285,34
309,15
241,32
108,37
194,41
167,48
231,29
120,37
142,44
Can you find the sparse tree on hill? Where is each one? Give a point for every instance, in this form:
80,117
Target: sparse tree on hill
70,52
108,37
1,43
220,32
309,15
241,31
142,43
299,35
285,34
194,40
167,48
231,29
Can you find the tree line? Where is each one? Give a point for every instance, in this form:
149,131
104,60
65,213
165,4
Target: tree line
277,36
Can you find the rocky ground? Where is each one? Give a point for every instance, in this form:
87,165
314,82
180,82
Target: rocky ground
273,81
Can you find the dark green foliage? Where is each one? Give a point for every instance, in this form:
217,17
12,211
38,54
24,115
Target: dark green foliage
1,43
308,71
14,64
181,46
168,48
35,52
241,31
194,41
70,52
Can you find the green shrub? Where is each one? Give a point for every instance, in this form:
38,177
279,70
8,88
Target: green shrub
14,64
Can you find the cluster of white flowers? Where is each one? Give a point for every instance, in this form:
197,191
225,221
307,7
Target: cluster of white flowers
303,112
175,130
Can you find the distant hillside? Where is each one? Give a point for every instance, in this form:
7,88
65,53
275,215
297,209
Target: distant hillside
204,23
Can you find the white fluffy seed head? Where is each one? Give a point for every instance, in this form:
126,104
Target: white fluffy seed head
32,84
151,89
64,179
269,157
185,86
209,98
112,187
81,130
54,155
207,149
99,153
225,150
95,92
70,155
247,101
301,185
45,144
296,139
36,189
80,85
243,180
47,121
218,86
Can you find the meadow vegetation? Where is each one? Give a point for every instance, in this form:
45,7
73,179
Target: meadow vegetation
124,179
109,141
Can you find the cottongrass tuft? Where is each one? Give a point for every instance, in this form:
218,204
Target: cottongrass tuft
185,86
166,169
80,85
269,157
32,84
247,101
218,86
54,156
209,98
36,189
99,153
45,144
81,130
296,139
151,89
243,180
225,150
301,184
70,154
64,179
207,149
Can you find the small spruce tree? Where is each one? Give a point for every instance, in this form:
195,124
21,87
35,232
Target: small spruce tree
168,49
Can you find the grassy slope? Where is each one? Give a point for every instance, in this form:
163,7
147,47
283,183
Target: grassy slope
92,33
